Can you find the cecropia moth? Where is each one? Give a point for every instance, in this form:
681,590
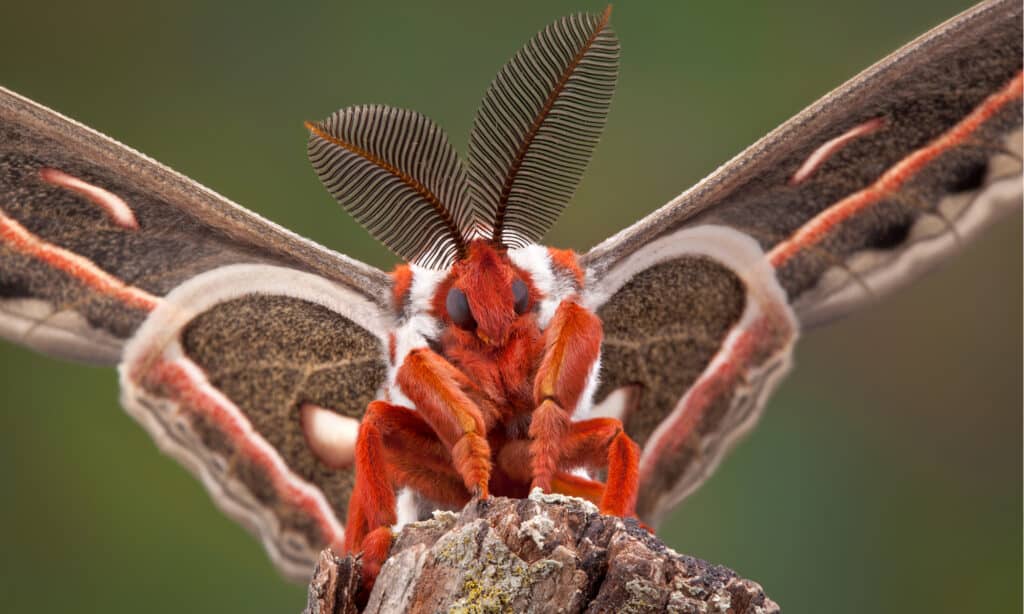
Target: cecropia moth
251,355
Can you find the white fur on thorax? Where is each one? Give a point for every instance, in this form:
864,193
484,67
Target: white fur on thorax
553,286
418,325
406,509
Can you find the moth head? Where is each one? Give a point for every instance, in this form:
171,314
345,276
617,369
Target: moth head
486,300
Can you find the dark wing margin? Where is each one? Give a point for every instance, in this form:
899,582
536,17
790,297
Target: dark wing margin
396,173
538,125
94,234
222,375
881,179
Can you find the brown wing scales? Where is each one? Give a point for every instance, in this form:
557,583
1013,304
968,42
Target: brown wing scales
306,353
221,387
88,225
876,134
661,329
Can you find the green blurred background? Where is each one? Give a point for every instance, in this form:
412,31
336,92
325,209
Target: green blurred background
885,475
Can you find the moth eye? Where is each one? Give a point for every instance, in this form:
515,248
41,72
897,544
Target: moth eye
458,309
521,295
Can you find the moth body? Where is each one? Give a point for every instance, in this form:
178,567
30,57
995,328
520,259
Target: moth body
489,364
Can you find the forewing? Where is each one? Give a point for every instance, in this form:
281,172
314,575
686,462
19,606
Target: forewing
94,234
855,196
223,374
881,179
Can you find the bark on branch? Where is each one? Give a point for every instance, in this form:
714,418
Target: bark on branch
547,553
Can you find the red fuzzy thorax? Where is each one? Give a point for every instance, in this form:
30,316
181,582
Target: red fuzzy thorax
490,362
500,358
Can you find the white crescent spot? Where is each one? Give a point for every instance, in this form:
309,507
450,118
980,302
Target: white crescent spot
618,404
818,157
116,209
330,435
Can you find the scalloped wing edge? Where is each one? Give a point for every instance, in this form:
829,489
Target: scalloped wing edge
156,344
961,219
755,355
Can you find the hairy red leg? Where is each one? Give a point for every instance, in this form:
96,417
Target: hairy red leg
598,443
548,427
372,503
576,486
602,442
416,458
375,550
623,477
572,346
437,388
587,443
395,448
514,460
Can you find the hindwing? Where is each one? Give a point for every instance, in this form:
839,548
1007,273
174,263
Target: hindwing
224,375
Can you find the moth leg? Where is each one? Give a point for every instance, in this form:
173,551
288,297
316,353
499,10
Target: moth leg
603,443
577,486
514,460
371,508
572,346
395,448
437,389
417,459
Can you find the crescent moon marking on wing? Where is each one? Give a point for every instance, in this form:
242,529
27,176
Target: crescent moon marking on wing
113,205
830,147
893,179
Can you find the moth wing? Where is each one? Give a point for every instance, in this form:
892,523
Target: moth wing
697,331
247,352
880,180
254,377
858,194
94,234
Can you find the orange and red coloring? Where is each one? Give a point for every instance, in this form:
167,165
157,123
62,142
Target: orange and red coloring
492,371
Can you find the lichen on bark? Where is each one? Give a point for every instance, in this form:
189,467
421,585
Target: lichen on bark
547,553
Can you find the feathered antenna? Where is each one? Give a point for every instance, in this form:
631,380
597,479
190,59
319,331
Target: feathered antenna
396,173
537,127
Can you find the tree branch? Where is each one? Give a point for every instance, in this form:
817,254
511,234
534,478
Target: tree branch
548,553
